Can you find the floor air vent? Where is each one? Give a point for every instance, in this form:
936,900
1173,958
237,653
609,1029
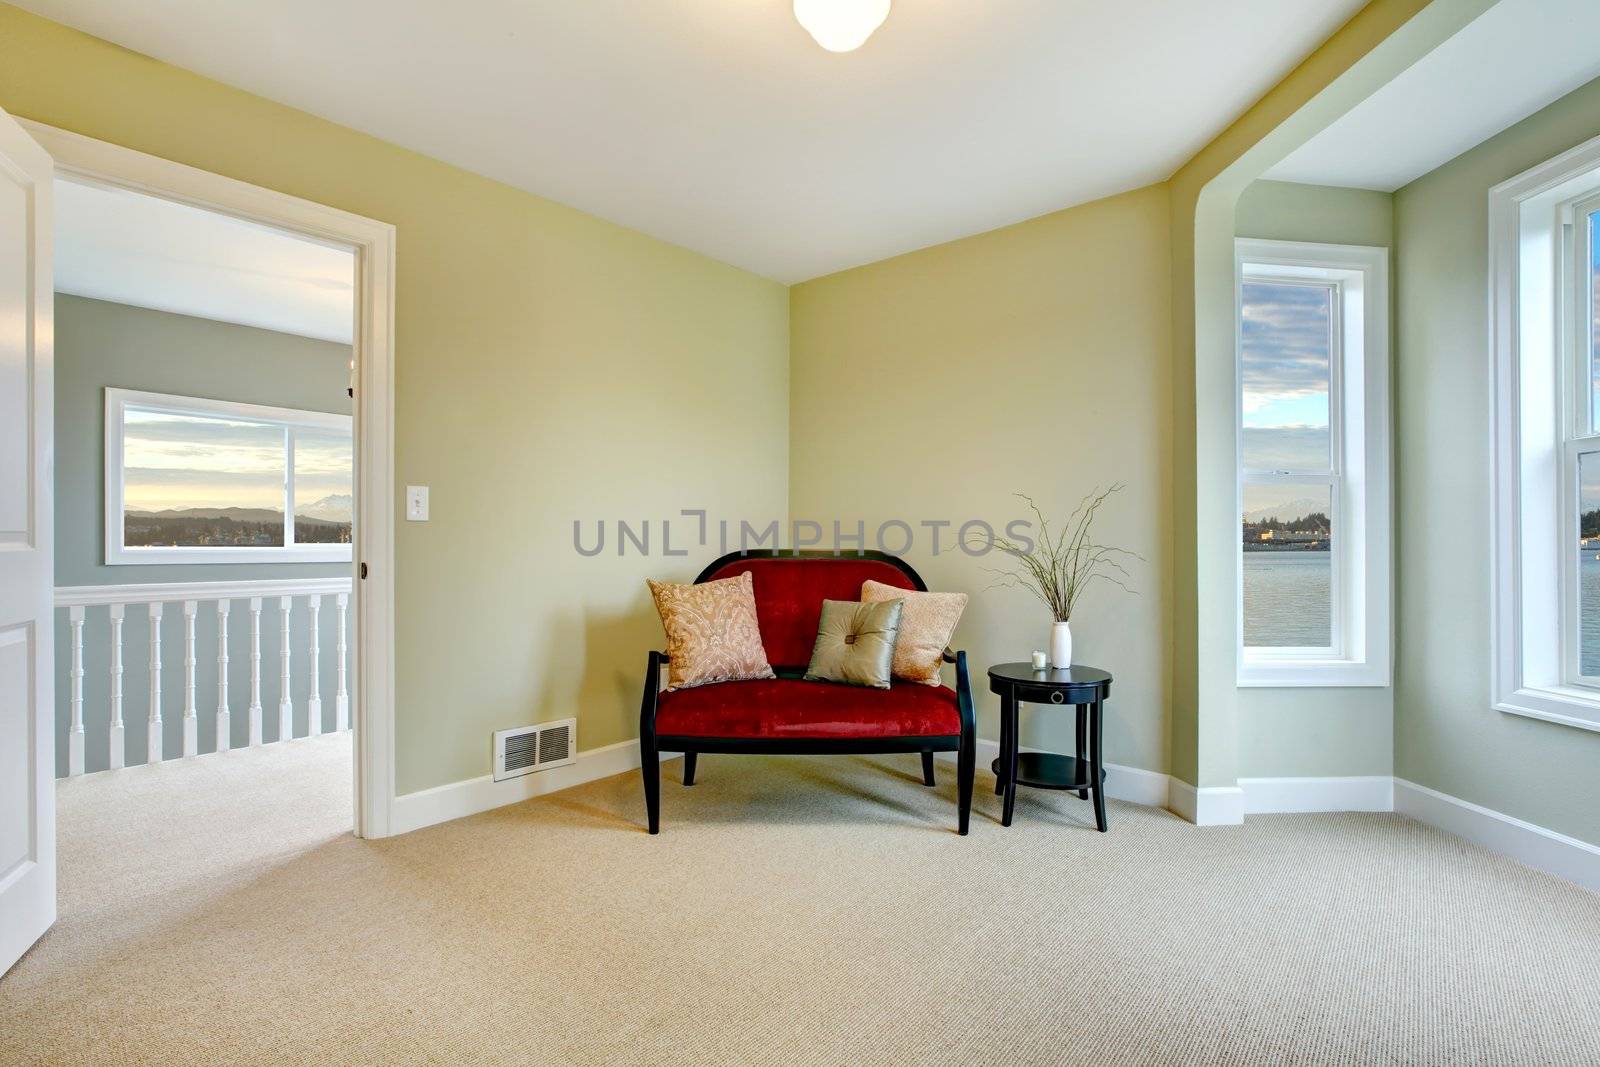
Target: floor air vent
535,748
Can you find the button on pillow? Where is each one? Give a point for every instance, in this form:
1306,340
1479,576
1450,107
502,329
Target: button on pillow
855,643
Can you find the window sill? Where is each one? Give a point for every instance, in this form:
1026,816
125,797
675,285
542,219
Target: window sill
1306,674
169,555
1567,705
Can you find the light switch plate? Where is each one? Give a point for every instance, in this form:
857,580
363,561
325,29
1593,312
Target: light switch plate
416,503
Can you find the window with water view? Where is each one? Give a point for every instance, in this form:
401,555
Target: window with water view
1287,364
1587,447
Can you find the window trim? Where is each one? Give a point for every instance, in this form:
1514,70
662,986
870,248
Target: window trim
117,553
1530,633
1358,472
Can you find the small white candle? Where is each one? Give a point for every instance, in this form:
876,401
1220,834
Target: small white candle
1039,661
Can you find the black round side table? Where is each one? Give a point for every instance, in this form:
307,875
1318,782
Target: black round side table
1084,688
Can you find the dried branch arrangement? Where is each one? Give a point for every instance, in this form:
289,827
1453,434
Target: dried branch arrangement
1062,565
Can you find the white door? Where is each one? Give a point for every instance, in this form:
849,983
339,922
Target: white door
27,665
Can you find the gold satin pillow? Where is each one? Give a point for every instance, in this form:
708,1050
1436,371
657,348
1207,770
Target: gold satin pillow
927,626
712,632
855,643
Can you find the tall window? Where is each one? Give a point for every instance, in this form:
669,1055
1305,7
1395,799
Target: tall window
1582,453
1313,464
1545,281
190,480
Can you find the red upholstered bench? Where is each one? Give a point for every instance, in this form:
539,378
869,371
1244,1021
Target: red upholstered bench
788,715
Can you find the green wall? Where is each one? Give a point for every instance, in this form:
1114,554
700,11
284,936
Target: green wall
1288,211
1380,41
100,345
1447,734
1305,731
551,367
1030,359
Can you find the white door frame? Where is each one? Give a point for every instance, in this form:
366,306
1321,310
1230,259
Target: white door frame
373,348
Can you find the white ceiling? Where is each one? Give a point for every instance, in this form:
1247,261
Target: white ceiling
721,126
1508,63
118,245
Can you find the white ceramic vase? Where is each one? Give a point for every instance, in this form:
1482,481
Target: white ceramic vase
1061,645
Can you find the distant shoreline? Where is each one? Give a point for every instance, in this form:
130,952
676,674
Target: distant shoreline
1257,547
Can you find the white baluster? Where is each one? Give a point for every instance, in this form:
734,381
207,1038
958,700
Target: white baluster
191,717
255,670
285,705
118,748
314,702
75,735
224,721
341,699
155,750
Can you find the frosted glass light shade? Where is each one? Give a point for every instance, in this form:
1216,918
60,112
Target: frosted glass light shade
841,25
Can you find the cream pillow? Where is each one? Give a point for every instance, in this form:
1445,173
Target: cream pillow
712,633
927,623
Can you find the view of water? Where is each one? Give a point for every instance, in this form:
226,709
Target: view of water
1288,600
1589,612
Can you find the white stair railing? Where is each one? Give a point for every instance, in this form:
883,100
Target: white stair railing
82,604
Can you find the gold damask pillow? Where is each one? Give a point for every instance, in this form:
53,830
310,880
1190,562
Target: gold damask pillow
712,633
927,623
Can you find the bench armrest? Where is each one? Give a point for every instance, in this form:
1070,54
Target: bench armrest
652,689
969,724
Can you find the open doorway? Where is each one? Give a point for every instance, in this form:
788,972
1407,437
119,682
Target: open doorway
205,505
37,664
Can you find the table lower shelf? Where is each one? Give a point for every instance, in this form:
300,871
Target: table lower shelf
1050,770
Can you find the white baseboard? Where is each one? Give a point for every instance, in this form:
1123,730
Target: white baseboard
1133,784
1534,846
1212,805
1264,796
413,811
1546,850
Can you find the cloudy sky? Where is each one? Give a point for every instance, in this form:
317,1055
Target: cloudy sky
1285,343
180,461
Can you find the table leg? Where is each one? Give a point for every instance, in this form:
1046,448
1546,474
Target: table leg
1083,749
1001,763
1008,709
1096,782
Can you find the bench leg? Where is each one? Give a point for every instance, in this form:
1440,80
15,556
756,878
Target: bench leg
650,768
965,760
688,767
927,769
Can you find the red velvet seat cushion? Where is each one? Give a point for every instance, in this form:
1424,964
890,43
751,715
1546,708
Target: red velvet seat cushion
790,591
791,708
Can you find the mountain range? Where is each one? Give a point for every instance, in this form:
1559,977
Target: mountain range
337,509
1288,511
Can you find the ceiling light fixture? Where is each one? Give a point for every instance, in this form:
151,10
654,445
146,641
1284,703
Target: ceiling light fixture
841,25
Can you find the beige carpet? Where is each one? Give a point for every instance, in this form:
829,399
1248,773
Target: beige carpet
811,911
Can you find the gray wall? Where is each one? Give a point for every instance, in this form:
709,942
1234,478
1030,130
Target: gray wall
1447,734
101,344
1335,731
